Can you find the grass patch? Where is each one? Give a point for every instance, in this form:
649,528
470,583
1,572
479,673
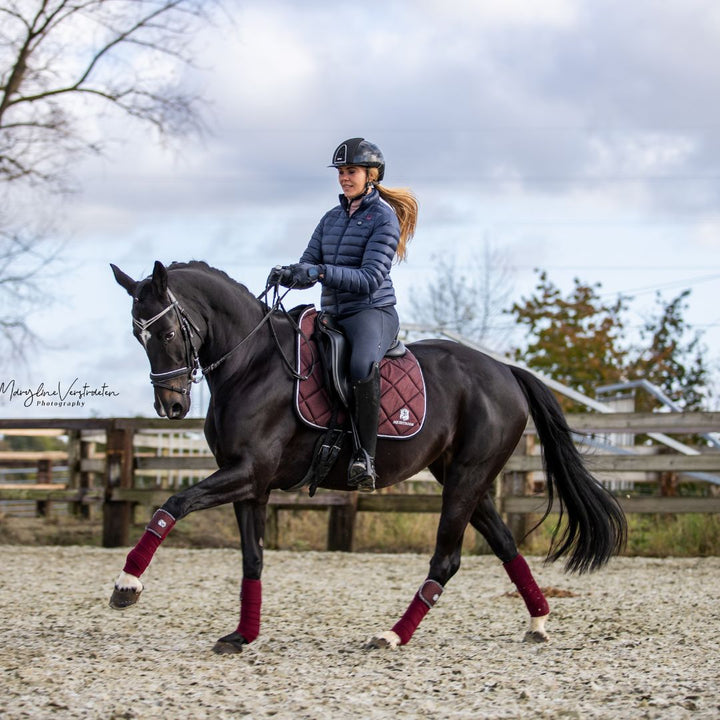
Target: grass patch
687,535
682,535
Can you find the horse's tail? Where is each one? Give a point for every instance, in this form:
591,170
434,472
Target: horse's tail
596,527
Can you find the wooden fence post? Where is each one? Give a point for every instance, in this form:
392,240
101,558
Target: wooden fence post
117,515
512,484
272,531
341,525
77,480
86,449
44,477
518,484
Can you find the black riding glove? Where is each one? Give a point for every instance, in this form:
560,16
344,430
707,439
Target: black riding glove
280,275
304,275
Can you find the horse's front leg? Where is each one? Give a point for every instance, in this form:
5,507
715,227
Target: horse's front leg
251,521
223,486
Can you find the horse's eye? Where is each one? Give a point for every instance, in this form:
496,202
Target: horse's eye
169,336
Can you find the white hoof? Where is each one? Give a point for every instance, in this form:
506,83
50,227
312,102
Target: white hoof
537,633
387,639
126,581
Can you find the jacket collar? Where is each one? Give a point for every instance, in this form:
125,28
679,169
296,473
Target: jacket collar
367,199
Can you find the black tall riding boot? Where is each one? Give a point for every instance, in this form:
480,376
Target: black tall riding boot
366,406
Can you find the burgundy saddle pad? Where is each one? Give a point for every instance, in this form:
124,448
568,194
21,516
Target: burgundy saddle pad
402,389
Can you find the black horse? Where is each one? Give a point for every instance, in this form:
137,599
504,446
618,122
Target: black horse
194,320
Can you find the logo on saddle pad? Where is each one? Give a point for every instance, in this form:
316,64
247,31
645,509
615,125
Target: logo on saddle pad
402,389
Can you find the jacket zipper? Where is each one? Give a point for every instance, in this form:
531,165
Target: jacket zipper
337,251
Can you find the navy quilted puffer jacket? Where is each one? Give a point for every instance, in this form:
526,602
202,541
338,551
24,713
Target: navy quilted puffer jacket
357,252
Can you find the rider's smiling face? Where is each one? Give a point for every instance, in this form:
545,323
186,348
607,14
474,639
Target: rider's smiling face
352,179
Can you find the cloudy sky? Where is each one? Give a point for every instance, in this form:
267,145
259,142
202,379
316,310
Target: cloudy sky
577,136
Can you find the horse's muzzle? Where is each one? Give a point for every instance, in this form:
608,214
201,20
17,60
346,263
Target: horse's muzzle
171,405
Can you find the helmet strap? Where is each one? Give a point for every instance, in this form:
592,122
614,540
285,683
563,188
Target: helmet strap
368,187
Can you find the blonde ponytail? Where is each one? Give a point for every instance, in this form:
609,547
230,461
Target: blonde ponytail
404,204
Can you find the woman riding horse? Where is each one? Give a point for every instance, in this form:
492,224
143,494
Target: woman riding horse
194,321
350,254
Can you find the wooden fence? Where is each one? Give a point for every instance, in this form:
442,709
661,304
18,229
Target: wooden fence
113,465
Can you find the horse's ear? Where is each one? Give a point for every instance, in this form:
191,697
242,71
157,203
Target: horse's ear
159,278
125,280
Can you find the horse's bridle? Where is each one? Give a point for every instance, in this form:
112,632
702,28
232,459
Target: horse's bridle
192,369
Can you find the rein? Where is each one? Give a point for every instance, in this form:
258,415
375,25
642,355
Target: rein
192,368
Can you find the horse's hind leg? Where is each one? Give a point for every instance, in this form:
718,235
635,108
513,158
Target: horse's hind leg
487,521
422,602
459,497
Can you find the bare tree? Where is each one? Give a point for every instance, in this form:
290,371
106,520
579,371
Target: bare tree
24,262
469,298
63,59
63,62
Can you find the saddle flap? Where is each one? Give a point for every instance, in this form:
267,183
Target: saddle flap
402,388
335,356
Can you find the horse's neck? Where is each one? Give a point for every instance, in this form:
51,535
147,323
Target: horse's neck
231,315
229,319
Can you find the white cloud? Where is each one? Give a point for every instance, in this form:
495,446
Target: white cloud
639,155
570,131
557,13
707,236
265,64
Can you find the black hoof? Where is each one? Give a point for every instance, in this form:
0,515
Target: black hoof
122,599
535,636
230,644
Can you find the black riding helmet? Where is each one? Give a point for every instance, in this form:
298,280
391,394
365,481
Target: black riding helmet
358,151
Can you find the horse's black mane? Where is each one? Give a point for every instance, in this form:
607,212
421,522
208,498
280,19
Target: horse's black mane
202,265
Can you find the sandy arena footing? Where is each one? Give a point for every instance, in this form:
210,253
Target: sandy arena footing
636,640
